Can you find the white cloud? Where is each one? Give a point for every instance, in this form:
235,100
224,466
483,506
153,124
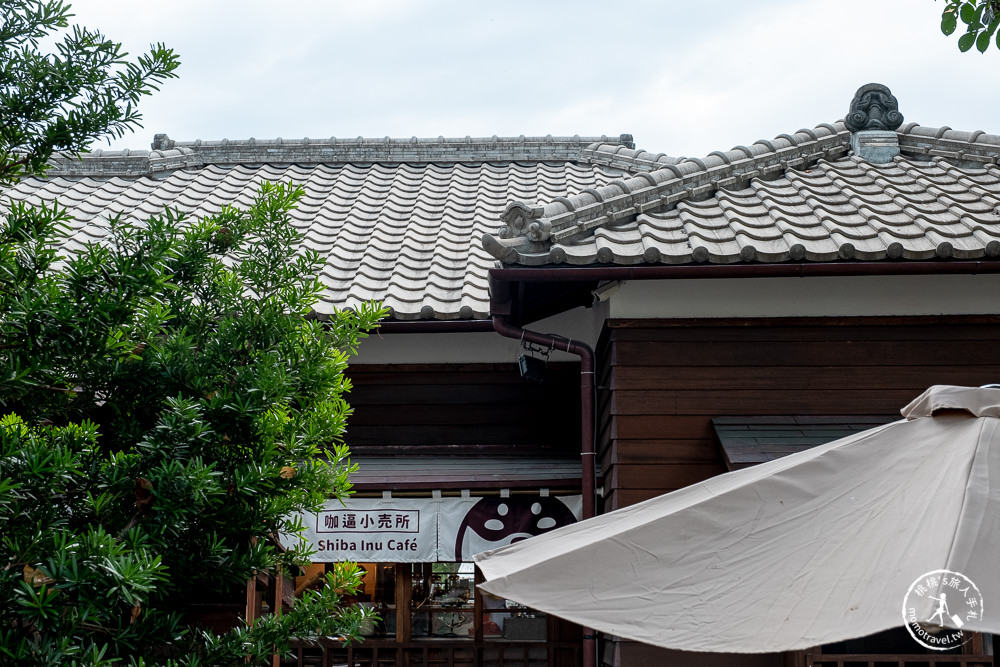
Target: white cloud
684,78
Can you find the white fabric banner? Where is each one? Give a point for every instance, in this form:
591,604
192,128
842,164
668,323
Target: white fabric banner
400,530
419,530
472,525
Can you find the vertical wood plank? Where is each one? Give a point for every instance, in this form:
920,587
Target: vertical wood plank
279,588
251,614
404,594
477,606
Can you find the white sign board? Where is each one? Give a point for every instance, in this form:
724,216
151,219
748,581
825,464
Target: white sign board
418,530
374,530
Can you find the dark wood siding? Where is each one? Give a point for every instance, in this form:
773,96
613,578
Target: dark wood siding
662,381
470,409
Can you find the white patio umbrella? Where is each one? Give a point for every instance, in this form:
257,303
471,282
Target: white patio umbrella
812,548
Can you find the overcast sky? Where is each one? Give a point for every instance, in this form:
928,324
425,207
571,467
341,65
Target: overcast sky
685,78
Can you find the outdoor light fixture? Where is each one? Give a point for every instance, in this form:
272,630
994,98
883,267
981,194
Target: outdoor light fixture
532,367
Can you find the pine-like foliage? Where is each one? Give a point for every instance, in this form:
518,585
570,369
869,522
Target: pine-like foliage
170,406
85,89
168,401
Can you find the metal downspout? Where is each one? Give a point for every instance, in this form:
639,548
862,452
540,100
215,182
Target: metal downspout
587,429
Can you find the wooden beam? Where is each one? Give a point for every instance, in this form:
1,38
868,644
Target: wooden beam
404,595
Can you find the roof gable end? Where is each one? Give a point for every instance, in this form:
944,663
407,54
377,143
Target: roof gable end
531,229
863,188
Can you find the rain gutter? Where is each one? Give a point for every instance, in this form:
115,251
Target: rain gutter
434,326
586,354
789,270
587,425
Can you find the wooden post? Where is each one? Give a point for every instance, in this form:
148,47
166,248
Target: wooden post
279,586
251,599
477,606
251,603
404,594
252,594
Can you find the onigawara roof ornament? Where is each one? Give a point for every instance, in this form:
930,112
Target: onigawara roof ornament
873,108
873,120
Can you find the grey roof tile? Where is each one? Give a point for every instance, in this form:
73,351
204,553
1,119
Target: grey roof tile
802,197
412,222
627,159
395,220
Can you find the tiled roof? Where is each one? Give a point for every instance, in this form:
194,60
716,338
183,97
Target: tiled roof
801,197
748,441
412,222
399,220
456,472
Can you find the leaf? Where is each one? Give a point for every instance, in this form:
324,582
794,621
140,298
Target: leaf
966,41
968,12
983,41
992,28
948,21
977,19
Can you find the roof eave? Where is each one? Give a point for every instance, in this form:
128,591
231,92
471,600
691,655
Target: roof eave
514,290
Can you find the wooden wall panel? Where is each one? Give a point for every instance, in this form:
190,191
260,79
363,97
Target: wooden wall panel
632,378
663,381
634,653
463,409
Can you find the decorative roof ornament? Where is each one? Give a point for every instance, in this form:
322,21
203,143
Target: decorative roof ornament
873,108
872,120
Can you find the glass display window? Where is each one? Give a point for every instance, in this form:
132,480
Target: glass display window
434,601
442,603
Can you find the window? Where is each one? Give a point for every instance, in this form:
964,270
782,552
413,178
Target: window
442,603
443,600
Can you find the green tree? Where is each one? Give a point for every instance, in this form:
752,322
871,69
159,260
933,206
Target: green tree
981,19
63,101
167,405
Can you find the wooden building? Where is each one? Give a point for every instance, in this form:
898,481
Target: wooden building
685,316
766,299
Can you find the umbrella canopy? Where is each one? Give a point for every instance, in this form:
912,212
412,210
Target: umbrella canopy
816,547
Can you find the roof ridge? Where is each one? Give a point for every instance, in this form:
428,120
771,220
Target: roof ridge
162,141
125,162
975,147
628,159
530,229
167,154
393,150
